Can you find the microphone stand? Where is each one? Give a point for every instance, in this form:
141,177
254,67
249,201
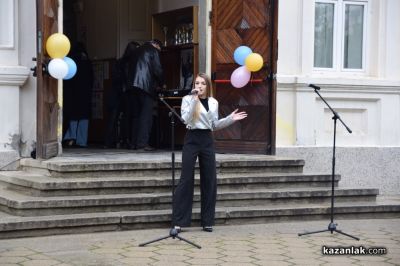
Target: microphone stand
174,233
332,226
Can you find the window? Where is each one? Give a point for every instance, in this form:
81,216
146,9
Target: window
339,35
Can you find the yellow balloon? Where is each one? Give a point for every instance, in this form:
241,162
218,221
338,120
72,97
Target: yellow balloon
254,62
58,45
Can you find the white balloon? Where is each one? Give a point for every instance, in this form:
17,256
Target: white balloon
58,68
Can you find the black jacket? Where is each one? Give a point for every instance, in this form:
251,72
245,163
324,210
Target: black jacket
78,90
146,71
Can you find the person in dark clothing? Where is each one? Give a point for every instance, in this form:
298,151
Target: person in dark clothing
147,77
118,107
77,95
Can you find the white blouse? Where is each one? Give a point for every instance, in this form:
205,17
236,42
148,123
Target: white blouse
206,120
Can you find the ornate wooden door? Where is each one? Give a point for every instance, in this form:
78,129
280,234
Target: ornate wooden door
47,105
252,23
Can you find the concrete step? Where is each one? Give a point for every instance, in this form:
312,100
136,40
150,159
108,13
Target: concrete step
11,227
156,165
40,185
23,205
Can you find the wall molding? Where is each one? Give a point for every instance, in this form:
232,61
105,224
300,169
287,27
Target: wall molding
13,75
338,84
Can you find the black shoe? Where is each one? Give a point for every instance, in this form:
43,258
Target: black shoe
178,228
207,228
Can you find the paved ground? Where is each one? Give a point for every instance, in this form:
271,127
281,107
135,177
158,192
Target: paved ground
261,244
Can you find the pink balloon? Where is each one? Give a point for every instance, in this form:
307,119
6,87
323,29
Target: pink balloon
240,77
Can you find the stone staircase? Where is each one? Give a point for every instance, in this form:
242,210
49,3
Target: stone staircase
74,194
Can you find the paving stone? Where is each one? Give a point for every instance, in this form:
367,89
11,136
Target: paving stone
140,249
236,248
273,263
40,263
38,257
206,255
266,257
204,261
108,251
180,252
336,259
235,253
306,262
236,264
370,263
138,254
12,260
270,251
113,256
238,259
17,253
167,263
374,258
171,258
137,261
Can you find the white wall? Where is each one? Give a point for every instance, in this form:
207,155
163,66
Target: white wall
134,22
12,76
393,40
368,102
27,105
97,27
162,5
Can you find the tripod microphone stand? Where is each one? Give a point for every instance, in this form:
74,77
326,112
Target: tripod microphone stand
332,225
174,233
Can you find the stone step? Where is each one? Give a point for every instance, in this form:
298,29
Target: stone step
23,205
39,185
156,165
12,227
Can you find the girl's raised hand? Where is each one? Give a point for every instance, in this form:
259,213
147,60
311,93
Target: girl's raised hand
238,116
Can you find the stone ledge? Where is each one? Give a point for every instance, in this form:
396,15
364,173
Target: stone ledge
13,75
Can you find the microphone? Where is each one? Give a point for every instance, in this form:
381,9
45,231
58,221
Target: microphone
193,92
314,87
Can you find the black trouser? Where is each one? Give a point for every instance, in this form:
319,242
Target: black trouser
198,143
145,119
130,123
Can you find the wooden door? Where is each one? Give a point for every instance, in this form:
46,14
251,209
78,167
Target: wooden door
47,105
252,23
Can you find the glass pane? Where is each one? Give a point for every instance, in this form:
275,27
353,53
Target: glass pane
353,36
323,35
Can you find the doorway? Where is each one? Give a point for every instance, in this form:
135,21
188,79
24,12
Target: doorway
104,28
107,26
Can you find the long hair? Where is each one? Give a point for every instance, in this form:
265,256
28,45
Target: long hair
209,93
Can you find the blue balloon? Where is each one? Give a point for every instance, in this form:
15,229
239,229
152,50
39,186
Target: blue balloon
71,67
241,53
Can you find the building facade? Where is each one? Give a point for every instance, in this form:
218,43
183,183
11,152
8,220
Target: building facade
348,48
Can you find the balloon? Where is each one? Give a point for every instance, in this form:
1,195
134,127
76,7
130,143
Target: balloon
241,53
71,67
58,68
57,45
254,62
240,77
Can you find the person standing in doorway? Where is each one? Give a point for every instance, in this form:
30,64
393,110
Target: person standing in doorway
146,80
77,99
200,113
118,130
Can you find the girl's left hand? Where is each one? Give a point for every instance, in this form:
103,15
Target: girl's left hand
238,116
